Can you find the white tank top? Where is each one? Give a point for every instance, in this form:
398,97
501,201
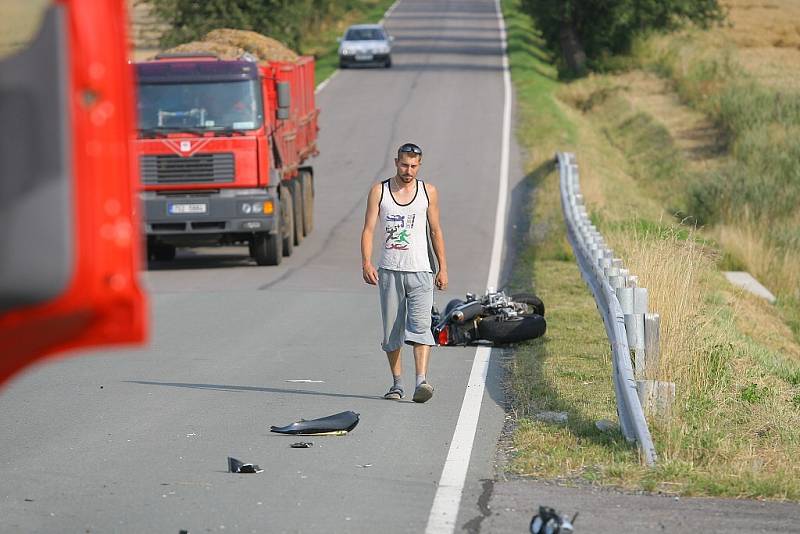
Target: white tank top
405,231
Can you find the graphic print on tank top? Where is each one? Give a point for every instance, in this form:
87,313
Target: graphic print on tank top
398,231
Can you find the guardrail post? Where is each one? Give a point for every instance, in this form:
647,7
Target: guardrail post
652,335
656,398
639,311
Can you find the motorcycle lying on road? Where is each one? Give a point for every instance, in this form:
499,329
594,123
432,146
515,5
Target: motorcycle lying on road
495,318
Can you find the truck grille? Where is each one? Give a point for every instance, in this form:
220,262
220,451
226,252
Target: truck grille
173,169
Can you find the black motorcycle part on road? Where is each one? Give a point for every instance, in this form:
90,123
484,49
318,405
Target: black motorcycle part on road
346,421
531,300
501,331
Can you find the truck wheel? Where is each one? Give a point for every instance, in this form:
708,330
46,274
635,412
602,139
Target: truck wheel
266,249
531,300
512,330
307,181
162,252
297,207
287,221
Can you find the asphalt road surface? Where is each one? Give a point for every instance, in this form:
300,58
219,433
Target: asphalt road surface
137,440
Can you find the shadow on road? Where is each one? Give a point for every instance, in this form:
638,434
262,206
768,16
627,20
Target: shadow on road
189,259
224,387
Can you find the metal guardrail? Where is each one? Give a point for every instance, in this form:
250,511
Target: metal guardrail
599,269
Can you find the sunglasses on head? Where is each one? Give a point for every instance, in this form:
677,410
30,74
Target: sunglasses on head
410,148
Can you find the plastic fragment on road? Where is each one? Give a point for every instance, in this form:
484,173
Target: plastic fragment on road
302,445
305,381
548,521
336,424
236,466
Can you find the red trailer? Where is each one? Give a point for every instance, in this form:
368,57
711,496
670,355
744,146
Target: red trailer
222,147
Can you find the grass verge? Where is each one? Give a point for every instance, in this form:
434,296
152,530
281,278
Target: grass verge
735,427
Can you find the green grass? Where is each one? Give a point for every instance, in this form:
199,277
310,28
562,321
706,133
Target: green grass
567,370
730,376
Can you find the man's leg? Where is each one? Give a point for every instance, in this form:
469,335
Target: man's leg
421,353
393,314
418,329
423,390
395,362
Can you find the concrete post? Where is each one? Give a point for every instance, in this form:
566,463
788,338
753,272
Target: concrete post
640,299
652,335
656,398
625,298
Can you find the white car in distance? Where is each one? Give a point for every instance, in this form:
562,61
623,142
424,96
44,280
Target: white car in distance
365,44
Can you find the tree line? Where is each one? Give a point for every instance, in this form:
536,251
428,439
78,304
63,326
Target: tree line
586,31
289,21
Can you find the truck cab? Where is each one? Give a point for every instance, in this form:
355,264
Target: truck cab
218,154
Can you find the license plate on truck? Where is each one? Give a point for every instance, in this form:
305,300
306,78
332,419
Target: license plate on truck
183,209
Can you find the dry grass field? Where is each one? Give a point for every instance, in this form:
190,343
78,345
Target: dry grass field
766,34
644,138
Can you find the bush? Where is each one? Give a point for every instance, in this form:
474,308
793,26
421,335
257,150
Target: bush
604,28
291,22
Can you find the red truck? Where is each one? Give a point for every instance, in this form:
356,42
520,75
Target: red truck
222,146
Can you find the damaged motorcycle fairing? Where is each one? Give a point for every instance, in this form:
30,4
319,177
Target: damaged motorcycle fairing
340,422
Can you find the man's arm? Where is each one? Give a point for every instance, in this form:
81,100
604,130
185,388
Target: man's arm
437,238
369,272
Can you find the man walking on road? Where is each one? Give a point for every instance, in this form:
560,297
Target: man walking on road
406,208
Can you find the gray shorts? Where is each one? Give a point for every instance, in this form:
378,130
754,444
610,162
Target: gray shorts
406,302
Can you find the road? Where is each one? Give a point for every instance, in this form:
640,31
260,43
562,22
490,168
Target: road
137,440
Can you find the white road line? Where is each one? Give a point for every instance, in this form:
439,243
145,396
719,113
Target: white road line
447,500
324,83
389,11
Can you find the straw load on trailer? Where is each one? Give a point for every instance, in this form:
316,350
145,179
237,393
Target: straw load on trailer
230,44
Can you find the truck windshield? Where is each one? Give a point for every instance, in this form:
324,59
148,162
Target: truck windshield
228,105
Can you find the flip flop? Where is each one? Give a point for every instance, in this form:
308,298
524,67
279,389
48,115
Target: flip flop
394,393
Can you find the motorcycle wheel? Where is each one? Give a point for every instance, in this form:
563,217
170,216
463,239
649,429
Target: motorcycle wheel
511,330
532,301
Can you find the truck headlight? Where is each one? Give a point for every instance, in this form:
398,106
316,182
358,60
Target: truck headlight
263,206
